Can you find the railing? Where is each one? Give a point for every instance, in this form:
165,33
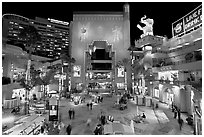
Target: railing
173,50
176,63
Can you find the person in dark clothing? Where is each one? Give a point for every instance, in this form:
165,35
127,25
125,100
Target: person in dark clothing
189,120
100,130
70,114
180,121
143,116
91,105
42,129
96,131
175,113
73,113
103,120
101,99
87,106
69,129
179,114
98,99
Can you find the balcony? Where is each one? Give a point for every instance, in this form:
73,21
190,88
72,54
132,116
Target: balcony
149,40
193,64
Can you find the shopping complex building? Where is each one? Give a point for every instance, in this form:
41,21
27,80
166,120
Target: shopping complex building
170,70
99,41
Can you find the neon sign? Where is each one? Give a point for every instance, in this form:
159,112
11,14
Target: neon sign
58,21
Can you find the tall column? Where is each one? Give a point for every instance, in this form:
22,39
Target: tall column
126,42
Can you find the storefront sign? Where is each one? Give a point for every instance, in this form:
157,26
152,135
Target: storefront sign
191,20
77,71
121,71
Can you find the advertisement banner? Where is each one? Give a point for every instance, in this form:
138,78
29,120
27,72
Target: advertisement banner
193,19
77,71
186,23
121,71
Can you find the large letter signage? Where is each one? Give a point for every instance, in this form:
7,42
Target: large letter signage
191,20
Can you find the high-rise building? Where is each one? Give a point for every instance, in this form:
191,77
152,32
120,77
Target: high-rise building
54,33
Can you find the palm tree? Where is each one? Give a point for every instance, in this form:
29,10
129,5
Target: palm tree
65,58
31,36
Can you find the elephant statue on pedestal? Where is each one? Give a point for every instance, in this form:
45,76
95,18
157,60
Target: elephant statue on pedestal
148,29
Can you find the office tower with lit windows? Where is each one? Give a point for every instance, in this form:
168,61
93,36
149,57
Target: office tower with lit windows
54,33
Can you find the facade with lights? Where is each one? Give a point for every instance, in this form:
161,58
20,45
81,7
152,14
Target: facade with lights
172,68
54,34
99,41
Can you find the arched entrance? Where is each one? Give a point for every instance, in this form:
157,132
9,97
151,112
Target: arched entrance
99,66
168,96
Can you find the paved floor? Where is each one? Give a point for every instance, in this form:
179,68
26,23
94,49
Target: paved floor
158,121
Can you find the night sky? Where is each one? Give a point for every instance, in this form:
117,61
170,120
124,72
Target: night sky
163,13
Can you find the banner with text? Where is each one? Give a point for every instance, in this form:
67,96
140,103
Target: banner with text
191,20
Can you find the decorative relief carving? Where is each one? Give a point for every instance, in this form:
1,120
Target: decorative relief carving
83,31
117,34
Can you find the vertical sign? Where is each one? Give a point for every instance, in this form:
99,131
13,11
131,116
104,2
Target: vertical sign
121,72
77,71
53,109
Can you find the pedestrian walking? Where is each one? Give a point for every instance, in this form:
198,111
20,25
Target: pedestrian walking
88,122
70,113
87,106
98,99
143,117
91,105
110,118
101,99
175,113
73,113
96,131
42,129
69,129
179,114
180,121
103,120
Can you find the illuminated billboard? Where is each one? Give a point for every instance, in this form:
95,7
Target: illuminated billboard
121,71
77,71
188,22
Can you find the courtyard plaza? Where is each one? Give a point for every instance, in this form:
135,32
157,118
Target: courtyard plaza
158,121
